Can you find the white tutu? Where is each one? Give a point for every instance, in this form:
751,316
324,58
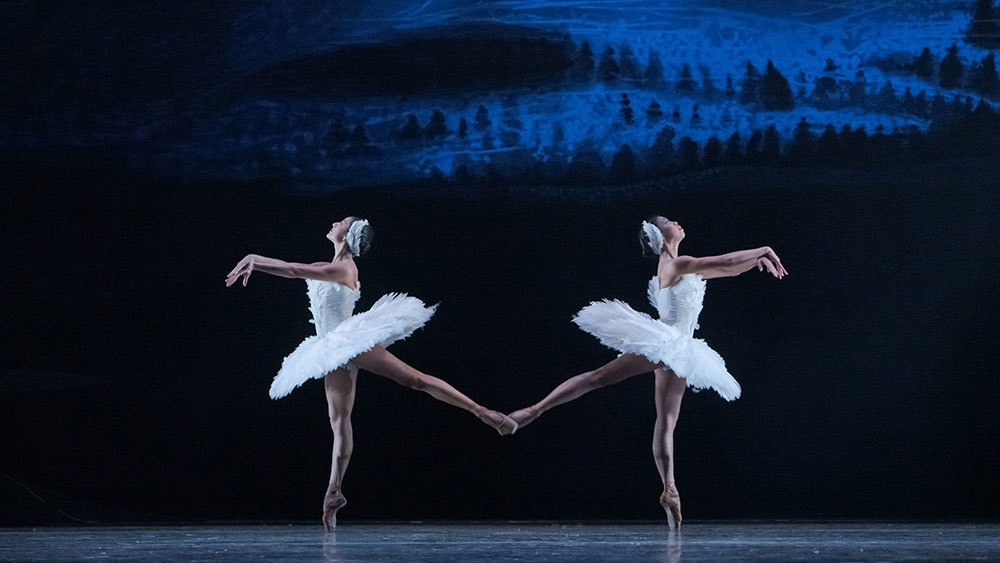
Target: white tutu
393,317
622,328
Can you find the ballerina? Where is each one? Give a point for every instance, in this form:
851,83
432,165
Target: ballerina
344,343
665,346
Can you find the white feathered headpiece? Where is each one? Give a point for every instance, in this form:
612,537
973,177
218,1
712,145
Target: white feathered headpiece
653,237
354,235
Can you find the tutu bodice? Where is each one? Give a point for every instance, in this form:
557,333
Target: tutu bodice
330,303
668,341
680,304
341,335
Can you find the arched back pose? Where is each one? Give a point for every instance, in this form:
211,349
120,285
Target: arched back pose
344,342
665,346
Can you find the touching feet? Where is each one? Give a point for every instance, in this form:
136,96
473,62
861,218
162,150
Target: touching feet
525,416
499,421
332,502
670,500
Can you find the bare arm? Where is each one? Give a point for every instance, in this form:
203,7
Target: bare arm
725,265
325,271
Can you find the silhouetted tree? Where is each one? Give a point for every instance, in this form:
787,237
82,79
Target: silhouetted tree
984,79
771,150
885,149
753,149
558,134
750,85
628,66
587,166
583,63
803,143
676,114
607,69
623,165
626,108
907,102
958,107
695,116
859,89
653,112
461,174
951,69
984,29
824,86
734,150
830,66
856,146
775,94
829,149
920,103
653,77
488,143
923,65
977,133
687,154
482,120
659,155
887,101
436,127
707,86
686,84
940,113
411,131
712,152
730,91
463,128
916,145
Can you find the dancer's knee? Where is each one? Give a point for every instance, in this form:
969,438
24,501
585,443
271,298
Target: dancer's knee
418,381
600,377
340,420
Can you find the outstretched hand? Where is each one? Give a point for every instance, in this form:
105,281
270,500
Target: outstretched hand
243,269
766,263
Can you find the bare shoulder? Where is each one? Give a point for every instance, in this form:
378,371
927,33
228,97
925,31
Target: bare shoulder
670,271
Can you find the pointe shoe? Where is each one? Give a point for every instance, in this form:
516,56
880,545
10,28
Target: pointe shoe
525,416
499,421
333,502
670,500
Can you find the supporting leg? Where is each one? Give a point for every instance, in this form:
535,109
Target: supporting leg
669,392
339,385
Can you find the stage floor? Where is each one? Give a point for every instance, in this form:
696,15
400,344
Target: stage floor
528,541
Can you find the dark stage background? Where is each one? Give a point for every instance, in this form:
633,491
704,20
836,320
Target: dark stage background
505,153
135,382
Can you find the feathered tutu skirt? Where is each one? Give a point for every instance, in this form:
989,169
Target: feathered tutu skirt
623,328
393,317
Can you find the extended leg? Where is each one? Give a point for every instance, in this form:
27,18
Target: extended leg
339,386
380,361
615,371
669,392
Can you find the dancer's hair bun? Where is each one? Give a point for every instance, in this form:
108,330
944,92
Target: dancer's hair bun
651,238
359,236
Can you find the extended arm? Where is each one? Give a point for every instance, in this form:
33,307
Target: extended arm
729,264
255,263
